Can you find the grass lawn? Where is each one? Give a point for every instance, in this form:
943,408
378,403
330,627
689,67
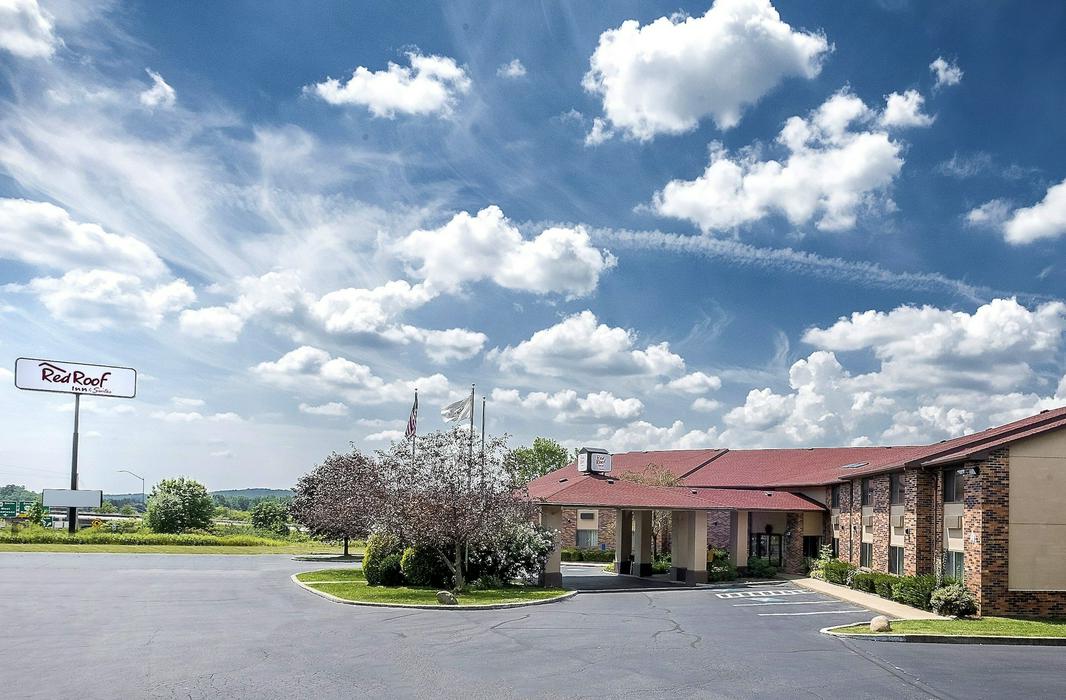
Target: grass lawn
980,627
350,585
294,548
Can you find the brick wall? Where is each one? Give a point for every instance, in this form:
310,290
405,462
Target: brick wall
718,529
794,562
606,529
850,532
919,520
879,485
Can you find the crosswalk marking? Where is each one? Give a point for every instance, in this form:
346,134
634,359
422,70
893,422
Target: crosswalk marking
786,602
762,593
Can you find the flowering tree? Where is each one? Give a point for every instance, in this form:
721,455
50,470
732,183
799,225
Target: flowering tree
451,496
341,498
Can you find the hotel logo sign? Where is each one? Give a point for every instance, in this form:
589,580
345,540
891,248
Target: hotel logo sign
75,378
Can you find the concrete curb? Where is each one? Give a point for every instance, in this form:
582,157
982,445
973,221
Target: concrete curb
888,608
945,638
493,606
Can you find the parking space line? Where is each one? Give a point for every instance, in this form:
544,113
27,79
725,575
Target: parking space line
815,612
786,602
763,594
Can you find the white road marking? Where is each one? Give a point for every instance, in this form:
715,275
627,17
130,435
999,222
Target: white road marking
762,594
816,612
785,602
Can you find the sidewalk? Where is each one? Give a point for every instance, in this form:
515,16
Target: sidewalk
889,608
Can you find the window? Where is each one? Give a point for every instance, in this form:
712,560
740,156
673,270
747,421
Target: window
955,565
895,560
588,539
811,545
866,554
766,546
954,486
867,494
834,498
586,515
895,488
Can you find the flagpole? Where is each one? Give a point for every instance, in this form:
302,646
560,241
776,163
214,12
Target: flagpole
414,431
471,462
482,439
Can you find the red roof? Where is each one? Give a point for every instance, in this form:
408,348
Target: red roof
794,467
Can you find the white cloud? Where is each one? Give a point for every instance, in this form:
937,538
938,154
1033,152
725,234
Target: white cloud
991,214
160,94
831,172
431,85
1045,219
311,371
333,408
905,110
27,30
186,402
44,235
512,69
488,246
644,436
211,323
946,73
705,405
196,416
599,132
441,346
581,344
368,310
694,383
385,436
102,299
668,75
567,405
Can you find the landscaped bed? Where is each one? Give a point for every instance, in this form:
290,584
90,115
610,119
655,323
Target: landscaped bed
974,627
351,585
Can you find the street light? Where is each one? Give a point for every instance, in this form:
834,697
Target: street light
127,471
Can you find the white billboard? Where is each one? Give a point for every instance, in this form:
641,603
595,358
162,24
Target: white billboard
75,378
65,498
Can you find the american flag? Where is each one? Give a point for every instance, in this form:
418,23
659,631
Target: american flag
412,422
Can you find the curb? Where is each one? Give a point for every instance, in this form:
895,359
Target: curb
945,638
874,605
491,606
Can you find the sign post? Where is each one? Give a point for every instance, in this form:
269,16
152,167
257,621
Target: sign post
75,378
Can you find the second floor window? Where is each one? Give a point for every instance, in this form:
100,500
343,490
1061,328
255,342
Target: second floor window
895,486
954,486
867,493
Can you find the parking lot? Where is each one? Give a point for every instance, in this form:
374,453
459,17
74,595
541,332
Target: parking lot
159,626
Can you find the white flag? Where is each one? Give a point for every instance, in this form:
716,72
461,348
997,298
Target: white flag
460,410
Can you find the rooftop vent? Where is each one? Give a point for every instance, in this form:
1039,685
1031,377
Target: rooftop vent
854,465
562,480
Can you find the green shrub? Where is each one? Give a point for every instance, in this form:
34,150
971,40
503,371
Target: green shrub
721,571
272,516
759,567
915,591
863,581
714,554
179,505
37,535
576,554
953,600
424,567
836,571
390,573
884,585
379,546
488,582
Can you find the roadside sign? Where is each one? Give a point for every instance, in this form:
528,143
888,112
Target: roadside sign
34,374
69,498
14,509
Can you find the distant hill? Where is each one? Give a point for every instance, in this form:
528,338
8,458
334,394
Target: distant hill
251,494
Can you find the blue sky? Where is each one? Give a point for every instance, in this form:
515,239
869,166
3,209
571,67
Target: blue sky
633,225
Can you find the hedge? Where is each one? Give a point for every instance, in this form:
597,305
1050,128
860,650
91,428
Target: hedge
576,554
915,591
96,536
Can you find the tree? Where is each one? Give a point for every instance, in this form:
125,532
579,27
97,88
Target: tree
35,513
450,498
17,492
177,505
127,509
272,516
107,507
654,475
544,456
340,498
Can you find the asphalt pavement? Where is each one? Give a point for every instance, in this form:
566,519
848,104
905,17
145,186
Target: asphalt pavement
210,626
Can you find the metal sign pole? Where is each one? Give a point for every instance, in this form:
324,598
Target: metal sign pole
72,513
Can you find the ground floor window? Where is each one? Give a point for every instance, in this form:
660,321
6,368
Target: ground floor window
895,560
766,546
588,539
866,554
954,566
811,545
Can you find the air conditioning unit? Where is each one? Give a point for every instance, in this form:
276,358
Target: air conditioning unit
897,521
868,521
954,522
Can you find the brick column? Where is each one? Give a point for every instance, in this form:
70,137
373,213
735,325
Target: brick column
607,528
624,536
985,525
847,534
568,528
920,504
794,543
882,521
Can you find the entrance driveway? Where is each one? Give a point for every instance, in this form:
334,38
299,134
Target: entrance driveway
158,626
594,578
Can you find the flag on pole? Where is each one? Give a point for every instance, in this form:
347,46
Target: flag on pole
460,410
412,421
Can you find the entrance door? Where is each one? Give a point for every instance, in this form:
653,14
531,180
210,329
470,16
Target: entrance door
766,546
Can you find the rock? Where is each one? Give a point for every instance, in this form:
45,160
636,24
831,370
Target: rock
446,598
880,624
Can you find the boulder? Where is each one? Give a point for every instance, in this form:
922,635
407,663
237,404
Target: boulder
880,624
446,598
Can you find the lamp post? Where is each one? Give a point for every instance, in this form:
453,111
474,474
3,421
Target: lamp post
127,471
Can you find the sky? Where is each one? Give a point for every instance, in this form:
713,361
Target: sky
634,226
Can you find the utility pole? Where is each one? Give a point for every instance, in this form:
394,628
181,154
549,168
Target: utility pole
72,513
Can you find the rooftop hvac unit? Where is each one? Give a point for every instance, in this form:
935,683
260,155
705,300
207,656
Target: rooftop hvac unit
593,459
954,522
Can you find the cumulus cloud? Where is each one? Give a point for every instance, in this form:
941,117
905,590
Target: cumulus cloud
839,161
581,344
211,323
705,405
332,408
44,235
488,246
27,30
693,383
1045,219
186,402
905,110
643,435
664,77
101,299
160,94
567,405
512,69
311,371
196,416
385,436
991,214
431,85
946,73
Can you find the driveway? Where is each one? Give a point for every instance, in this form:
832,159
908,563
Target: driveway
158,626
